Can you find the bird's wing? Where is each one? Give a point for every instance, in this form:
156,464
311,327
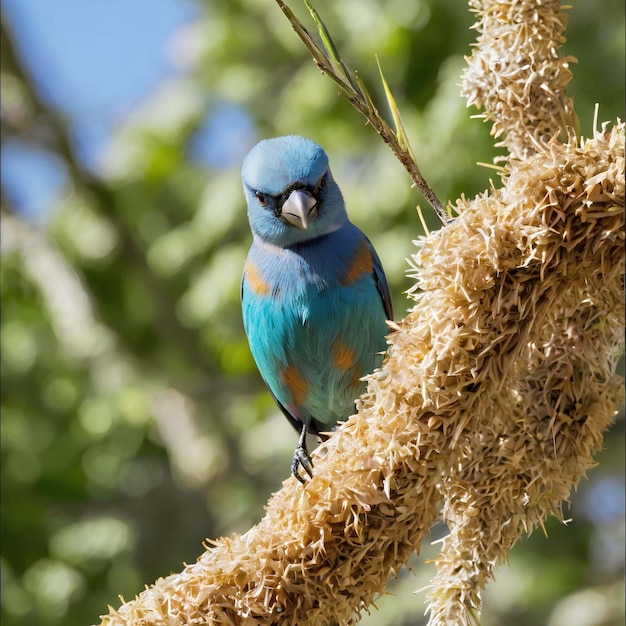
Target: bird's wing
381,282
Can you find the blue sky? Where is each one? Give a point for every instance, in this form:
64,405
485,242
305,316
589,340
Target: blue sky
95,60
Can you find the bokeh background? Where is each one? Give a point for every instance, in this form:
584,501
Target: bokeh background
134,423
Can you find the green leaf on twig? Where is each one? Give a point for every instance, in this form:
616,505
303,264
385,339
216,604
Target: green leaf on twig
401,135
331,49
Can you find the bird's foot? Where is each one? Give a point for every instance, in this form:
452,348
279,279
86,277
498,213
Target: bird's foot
301,459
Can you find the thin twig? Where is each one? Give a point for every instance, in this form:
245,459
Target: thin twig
330,63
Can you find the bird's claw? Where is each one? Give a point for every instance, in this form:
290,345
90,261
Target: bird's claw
301,459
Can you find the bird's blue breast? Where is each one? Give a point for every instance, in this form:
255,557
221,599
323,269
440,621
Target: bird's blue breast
315,322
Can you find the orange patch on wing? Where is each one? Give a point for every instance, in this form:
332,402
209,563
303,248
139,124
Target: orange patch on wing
297,385
343,355
255,281
361,263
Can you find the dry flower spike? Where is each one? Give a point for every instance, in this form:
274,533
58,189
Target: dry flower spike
516,74
494,397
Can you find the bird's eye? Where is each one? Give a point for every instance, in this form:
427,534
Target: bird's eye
261,197
321,184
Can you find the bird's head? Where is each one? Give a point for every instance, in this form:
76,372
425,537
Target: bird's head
290,191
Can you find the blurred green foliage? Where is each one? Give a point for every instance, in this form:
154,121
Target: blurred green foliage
134,423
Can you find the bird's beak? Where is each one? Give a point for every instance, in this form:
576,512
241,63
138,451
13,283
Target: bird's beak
299,208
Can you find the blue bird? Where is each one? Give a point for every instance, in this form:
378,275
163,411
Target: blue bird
314,295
